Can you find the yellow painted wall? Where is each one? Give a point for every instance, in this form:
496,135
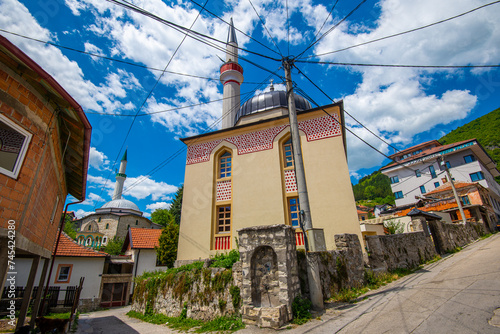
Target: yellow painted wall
257,193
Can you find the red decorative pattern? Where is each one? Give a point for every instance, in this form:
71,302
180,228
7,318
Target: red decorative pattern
223,191
222,243
320,128
299,238
315,129
290,184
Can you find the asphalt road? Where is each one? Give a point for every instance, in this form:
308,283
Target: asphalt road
458,294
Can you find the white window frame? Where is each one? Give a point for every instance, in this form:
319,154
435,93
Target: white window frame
22,153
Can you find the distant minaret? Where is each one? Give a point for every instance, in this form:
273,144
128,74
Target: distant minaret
231,76
120,178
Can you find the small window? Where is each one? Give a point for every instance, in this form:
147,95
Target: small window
99,219
107,226
476,176
448,164
398,194
422,189
294,211
224,219
90,227
14,142
225,165
469,158
433,171
465,200
444,180
63,273
136,222
436,184
394,179
288,154
417,173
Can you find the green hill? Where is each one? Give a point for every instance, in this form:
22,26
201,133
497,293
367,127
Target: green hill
373,189
485,129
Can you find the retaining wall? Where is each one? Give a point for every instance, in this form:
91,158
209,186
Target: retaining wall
449,236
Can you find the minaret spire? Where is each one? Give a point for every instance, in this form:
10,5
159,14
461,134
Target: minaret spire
120,177
231,76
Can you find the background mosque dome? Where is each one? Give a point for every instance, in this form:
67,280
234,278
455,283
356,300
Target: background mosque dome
270,100
121,204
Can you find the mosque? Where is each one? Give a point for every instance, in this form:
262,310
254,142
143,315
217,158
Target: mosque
114,218
243,175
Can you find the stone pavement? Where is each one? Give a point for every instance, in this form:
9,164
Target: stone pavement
458,294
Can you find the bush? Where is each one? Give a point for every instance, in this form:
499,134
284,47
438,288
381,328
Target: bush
225,260
300,310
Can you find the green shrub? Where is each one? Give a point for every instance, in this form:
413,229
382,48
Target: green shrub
225,260
300,310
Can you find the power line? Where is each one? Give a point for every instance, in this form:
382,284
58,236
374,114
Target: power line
405,32
265,27
242,32
394,65
329,98
147,97
332,28
287,27
327,17
189,32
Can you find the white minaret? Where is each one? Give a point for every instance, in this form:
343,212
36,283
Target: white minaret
231,76
120,178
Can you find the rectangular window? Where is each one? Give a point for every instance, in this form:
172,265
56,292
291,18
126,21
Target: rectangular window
398,194
14,141
417,173
476,176
433,171
465,200
225,165
469,158
394,179
436,184
422,189
63,273
223,219
288,154
448,164
294,211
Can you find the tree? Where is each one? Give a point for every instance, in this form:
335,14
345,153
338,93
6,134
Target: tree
166,252
175,208
162,217
394,227
69,227
114,246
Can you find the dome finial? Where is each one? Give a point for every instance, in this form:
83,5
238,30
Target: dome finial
271,88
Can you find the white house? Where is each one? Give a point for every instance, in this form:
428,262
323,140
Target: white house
418,170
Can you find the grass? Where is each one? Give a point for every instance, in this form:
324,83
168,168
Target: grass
220,324
454,250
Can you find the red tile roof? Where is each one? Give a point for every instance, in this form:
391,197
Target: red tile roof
144,237
69,247
447,186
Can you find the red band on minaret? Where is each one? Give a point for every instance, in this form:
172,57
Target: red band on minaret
231,66
225,82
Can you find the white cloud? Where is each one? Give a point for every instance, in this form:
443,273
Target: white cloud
98,160
80,213
158,205
92,199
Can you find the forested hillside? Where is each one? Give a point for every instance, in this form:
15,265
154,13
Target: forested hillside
374,188
485,129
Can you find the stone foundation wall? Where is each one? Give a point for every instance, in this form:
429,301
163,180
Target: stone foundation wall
407,250
448,236
338,269
207,293
88,305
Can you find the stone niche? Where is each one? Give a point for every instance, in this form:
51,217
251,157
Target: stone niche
270,278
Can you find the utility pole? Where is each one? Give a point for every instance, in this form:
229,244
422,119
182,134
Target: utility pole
300,177
459,203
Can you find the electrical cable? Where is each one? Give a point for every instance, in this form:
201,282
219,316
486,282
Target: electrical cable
405,32
288,27
242,32
331,29
146,99
396,66
265,27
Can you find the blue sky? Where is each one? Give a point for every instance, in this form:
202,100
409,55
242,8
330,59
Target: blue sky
404,106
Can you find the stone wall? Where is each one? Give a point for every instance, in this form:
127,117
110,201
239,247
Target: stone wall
448,236
206,293
407,250
338,269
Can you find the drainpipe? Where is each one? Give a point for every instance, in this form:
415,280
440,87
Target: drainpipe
61,228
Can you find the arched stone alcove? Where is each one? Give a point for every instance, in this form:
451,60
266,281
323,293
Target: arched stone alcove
264,277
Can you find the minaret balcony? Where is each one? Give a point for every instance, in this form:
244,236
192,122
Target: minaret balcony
231,66
121,174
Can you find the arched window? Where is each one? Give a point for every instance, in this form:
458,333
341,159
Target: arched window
288,162
107,226
90,227
225,165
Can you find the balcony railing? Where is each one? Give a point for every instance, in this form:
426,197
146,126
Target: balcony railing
222,242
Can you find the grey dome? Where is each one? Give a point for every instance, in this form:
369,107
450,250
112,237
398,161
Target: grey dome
121,204
270,100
